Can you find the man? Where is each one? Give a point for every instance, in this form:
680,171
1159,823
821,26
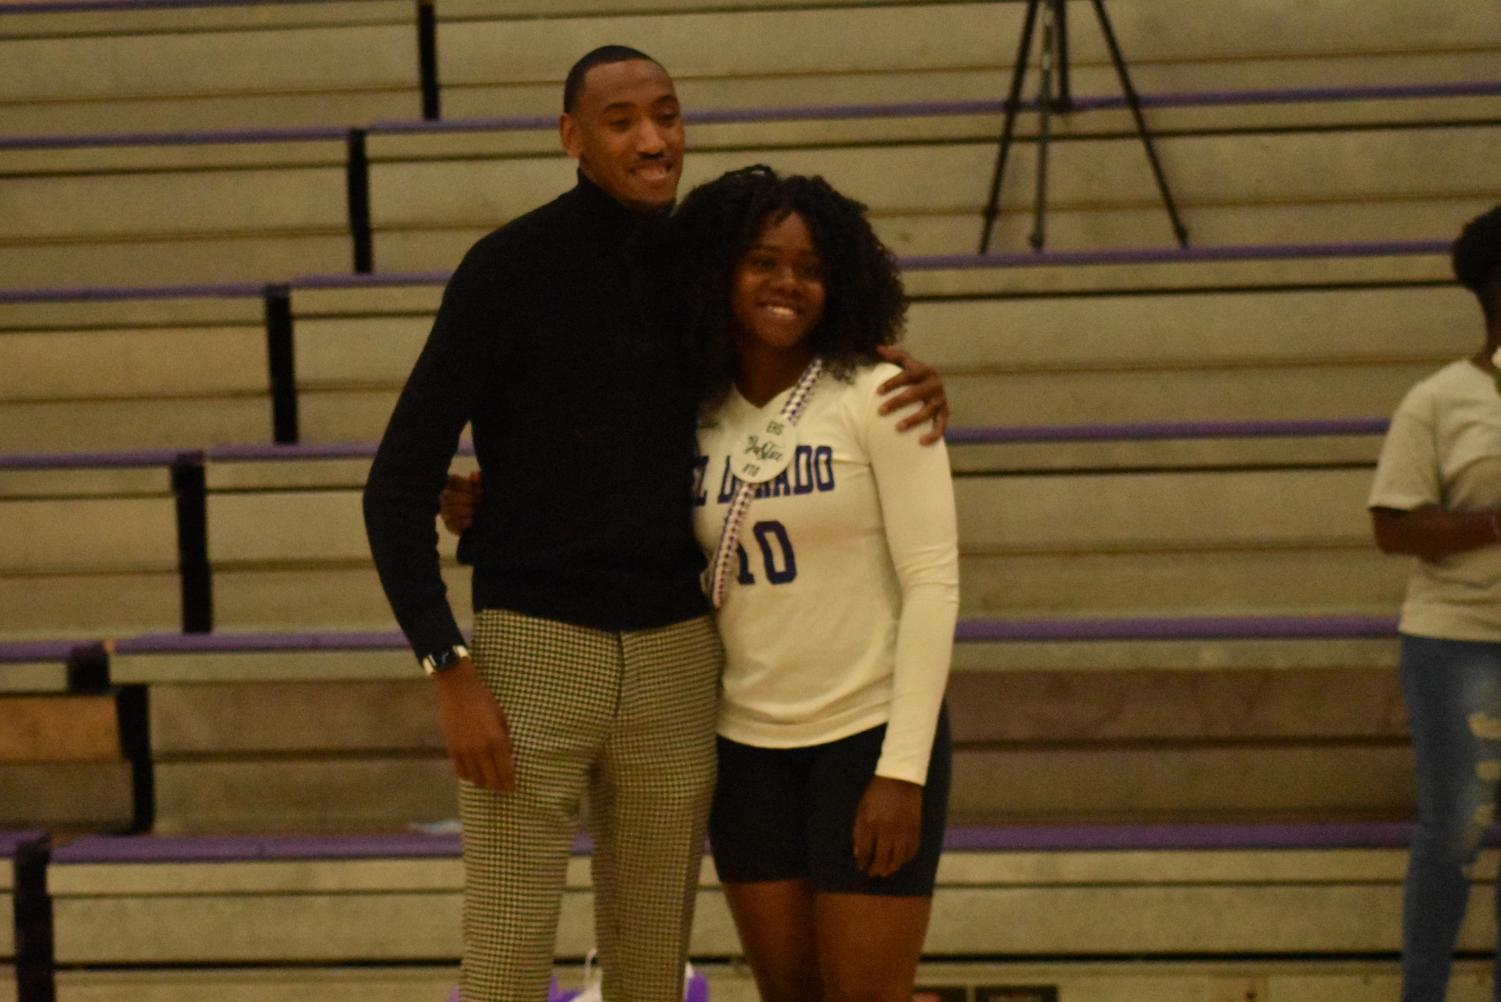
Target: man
595,667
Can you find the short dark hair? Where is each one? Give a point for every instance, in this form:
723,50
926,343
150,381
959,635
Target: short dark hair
1476,257
597,57
864,305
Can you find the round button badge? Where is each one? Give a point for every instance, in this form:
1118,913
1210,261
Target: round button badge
765,452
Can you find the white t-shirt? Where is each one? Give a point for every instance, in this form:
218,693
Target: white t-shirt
842,615
1444,449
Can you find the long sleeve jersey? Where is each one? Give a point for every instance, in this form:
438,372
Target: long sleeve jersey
842,614
559,342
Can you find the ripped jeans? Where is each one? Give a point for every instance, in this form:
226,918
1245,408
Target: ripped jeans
1452,689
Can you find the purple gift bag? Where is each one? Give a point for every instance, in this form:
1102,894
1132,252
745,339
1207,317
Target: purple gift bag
695,987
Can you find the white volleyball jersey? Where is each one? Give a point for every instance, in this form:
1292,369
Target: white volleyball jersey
842,614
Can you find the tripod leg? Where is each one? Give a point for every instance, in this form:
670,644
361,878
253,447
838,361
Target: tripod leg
1134,102
1065,99
1050,59
1018,74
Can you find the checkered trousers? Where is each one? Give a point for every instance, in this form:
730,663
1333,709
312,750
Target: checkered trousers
627,719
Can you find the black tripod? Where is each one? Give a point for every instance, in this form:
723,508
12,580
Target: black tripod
1054,59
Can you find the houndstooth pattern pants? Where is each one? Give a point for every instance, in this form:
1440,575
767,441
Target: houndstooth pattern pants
629,718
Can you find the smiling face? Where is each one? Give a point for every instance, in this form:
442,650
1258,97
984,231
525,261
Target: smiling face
777,294
626,131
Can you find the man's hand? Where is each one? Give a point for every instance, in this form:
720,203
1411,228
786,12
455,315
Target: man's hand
923,385
475,729
459,501
888,826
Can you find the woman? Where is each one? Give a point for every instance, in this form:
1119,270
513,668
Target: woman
837,604
1437,496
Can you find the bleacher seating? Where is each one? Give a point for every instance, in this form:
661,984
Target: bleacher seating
1112,894
286,542
64,760
205,216
1173,610
1123,341
171,67
1207,718
66,566
288,732
171,371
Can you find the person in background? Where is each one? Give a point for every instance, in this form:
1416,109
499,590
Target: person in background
1437,496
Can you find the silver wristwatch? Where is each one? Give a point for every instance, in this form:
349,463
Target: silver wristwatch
433,664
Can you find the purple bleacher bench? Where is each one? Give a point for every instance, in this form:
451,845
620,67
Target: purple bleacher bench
1159,430
127,459
968,631
1175,628
710,116
931,262
997,435
129,849
232,643
11,841
32,651
243,848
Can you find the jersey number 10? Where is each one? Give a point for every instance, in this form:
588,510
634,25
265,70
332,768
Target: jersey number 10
777,558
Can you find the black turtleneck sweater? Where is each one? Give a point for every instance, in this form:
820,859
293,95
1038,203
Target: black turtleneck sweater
559,340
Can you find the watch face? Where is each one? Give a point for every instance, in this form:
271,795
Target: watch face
445,659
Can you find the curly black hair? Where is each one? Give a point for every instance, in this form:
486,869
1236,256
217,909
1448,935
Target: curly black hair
864,303
1476,256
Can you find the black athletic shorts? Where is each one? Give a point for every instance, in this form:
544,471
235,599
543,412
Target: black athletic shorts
789,813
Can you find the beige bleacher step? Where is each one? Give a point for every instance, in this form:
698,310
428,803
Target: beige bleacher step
1197,356
157,258
289,556
1167,329
154,20
183,371
89,564
349,338
1008,360
1092,981
1288,580
1232,189
1080,901
68,796
240,308
31,668
1263,392
298,558
708,44
272,224
144,75
297,63
62,762
1218,727
1166,780
1230,450
1292,654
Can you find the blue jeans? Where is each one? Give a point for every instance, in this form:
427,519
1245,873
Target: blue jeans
1453,693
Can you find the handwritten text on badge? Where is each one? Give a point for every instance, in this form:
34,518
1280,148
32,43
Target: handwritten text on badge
765,452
